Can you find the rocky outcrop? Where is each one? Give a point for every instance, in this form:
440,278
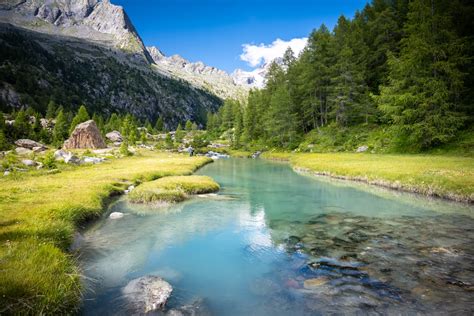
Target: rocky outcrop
85,135
199,74
29,144
146,294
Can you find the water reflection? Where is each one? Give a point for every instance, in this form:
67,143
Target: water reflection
276,243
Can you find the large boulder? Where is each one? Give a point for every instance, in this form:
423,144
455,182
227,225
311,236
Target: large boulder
85,135
29,144
114,136
147,294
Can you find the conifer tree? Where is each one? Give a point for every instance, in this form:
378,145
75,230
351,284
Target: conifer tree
61,127
80,117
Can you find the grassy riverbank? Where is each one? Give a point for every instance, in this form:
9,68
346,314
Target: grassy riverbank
39,215
444,176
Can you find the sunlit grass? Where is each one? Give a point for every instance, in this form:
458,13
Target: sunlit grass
173,189
38,217
445,176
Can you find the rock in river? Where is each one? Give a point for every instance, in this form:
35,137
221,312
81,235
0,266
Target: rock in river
147,294
115,215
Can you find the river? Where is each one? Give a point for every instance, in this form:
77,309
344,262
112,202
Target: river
275,242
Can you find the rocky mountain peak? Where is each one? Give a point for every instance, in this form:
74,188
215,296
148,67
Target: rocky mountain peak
96,20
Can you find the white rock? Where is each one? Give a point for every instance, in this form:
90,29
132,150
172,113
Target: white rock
23,151
114,136
29,162
6,173
147,294
72,159
361,149
93,160
115,215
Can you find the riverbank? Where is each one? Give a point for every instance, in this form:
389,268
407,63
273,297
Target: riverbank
447,177
39,215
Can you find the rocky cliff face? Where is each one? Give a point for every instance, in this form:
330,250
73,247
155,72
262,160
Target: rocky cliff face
93,20
88,52
210,78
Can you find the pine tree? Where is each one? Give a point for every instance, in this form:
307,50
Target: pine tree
159,126
61,127
80,117
179,134
148,126
22,126
114,123
99,121
51,110
188,126
421,99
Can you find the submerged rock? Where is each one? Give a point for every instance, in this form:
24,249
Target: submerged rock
115,215
198,307
147,294
310,284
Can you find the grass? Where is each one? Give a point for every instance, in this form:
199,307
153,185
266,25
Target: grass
173,189
444,176
39,214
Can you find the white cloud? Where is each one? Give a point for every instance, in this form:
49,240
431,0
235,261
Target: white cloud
255,55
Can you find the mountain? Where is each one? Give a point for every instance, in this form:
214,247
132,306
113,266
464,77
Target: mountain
209,78
88,51
256,77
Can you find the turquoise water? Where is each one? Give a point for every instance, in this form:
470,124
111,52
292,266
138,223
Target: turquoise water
274,242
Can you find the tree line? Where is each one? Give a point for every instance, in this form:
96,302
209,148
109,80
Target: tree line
404,67
58,124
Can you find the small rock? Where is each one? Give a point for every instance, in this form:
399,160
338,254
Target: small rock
311,284
93,160
23,151
6,173
198,307
72,159
60,154
39,149
115,215
362,149
29,162
114,136
147,294
117,144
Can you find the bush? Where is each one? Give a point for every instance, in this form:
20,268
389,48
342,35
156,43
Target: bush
124,149
49,161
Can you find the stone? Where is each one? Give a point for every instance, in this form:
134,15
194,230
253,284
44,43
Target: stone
23,151
147,294
92,160
72,159
198,307
362,149
28,143
60,154
311,284
6,173
114,136
29,162
85,136
115,215
39,149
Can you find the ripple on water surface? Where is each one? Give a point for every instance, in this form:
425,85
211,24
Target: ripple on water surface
274,242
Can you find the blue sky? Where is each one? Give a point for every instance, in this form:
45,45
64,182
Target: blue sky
214,31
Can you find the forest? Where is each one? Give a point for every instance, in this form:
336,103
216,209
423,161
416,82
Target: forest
396,78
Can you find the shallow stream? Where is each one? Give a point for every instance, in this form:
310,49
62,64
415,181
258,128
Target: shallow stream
274,242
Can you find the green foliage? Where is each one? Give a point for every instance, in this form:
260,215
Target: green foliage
159,125
51,111
80,117
200,141
179,134
114,123
21,127
397,68
4,145
188,126
124,149
60,131
49,161
169,141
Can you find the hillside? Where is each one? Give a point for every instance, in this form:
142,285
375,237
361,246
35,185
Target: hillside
88,52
